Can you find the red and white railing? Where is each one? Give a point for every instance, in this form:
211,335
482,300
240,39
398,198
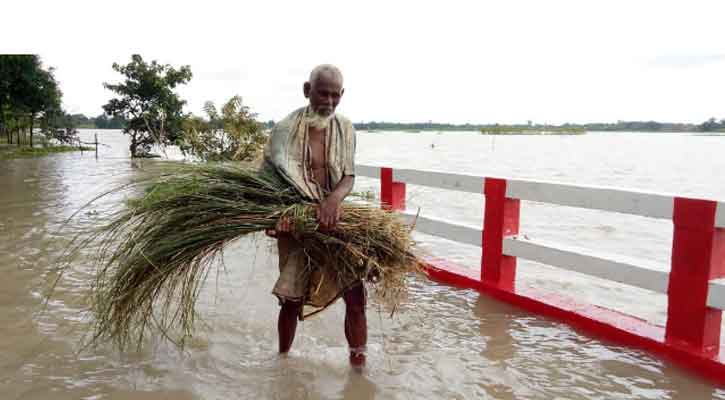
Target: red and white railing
695,290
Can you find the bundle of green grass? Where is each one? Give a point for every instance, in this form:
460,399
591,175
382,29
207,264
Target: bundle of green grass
156,253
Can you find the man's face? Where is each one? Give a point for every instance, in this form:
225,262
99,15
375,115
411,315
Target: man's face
324,95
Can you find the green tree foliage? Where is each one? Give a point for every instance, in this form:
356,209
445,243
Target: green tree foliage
27,91
233,134
45,98
147,102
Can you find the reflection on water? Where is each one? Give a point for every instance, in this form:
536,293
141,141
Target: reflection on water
442,344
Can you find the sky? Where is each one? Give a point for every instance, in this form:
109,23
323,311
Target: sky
408,61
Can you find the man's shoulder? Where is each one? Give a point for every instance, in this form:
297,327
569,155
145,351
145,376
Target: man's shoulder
291,117
344,121
284,126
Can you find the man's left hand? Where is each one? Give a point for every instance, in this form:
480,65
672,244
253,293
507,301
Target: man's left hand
328,212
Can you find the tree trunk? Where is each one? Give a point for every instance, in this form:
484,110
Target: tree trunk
32,119
8,131
134,144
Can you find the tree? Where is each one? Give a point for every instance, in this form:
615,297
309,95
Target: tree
26,91
4,94
16,87
45,96
147,102
235,134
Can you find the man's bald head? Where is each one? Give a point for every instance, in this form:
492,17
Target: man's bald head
326,72
324,89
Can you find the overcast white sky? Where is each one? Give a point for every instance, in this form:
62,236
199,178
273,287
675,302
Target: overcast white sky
445,61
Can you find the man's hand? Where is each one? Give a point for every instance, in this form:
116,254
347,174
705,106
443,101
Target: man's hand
328,212
284,225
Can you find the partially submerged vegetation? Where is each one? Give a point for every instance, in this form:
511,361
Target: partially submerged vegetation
10,152
152,114
56,141
230,135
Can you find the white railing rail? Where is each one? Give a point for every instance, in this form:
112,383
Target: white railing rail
640,273
627,201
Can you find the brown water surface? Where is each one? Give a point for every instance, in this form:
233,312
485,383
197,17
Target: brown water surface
443,343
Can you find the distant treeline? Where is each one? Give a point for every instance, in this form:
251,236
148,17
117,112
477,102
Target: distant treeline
415,126
639,126
100,122
533,130
711,125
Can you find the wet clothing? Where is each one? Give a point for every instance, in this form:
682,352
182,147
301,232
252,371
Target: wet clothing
315,288
288,151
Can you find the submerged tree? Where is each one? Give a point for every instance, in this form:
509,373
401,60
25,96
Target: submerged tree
233,134
147,102
59,126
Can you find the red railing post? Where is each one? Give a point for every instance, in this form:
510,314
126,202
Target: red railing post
698,255
500,219
392,194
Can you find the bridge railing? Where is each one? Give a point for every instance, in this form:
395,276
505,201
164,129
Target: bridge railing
696,294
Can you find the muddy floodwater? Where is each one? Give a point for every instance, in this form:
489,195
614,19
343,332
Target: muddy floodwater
443,344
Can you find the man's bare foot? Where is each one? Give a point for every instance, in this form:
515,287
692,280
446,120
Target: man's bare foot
357,361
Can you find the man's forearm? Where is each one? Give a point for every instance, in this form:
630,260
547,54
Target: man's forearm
343,188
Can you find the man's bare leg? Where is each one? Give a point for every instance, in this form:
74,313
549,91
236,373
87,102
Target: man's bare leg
287,324
356,326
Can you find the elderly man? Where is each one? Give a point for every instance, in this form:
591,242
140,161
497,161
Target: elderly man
314,149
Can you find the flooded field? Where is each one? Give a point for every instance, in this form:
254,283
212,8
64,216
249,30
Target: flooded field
443,344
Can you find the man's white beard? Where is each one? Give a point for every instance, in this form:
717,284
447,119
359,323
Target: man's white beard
318,121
